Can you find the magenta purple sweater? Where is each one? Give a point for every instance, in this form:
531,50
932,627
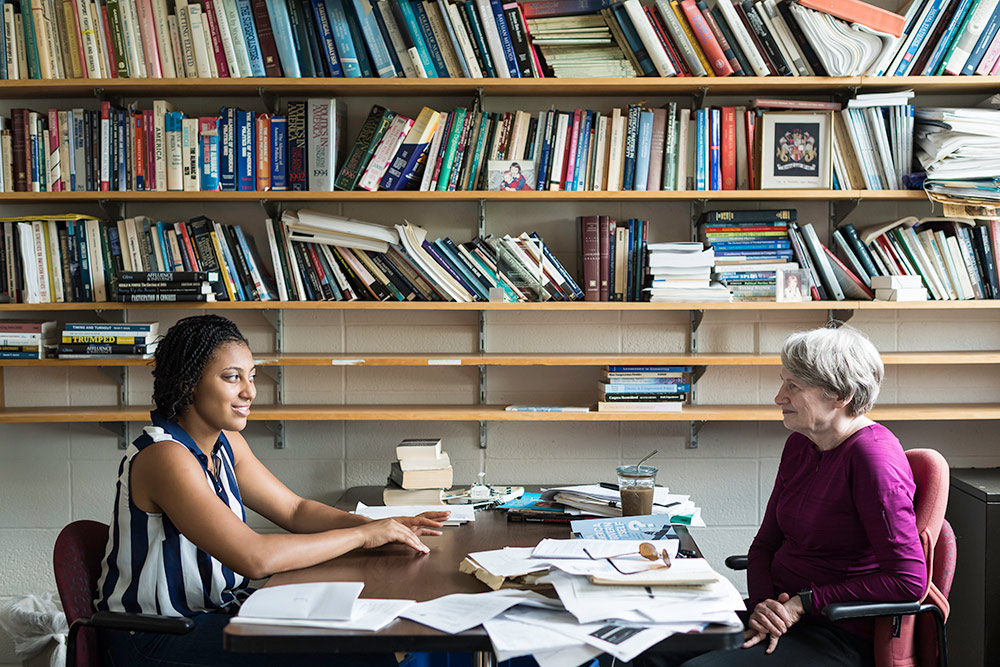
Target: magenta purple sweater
842,523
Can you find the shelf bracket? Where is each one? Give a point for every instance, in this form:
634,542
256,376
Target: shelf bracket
119,376
840,209
117,429
694,427
481,219
275,317
699,96
478,101
844,95
272,208
482,377
112,208
696,318
697,210
697,373
271,100
104,96
839,316
113,316
277,428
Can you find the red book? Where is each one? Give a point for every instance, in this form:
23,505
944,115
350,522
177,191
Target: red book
589,229
221,64
728,148
604,223
709,44
265,34
679,65
138,129
56,185
105,147
263,151
108,50
569,166
850,281
751,119
855,11
188,247
150,148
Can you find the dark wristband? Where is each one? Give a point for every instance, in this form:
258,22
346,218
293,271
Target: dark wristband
806,595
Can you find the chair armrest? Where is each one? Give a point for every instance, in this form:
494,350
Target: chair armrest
841,611
170,625
737,562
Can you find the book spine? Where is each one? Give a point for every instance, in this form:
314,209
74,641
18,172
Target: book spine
245,12
297,140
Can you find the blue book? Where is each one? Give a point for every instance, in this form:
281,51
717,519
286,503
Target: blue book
650,527
700,181
651,388
476,28
122,120
453,37
985,39
116,327
918,37
227,144
386,39
3,51
405,167
263,293
445,264
30,46
946,37
381,62
631,136
245,155
715,141
582,150
650,369
630,268
505,41
545,155
412,27
284,38
307,49
325,33
432,44
359,42
83,252
279,157
239,294
208,136
644,145
447,247
168,264
559,267
348,56
633,41
767,245
249,29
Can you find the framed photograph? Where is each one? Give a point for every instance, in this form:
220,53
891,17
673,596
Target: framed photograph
792,285
796,150
511,175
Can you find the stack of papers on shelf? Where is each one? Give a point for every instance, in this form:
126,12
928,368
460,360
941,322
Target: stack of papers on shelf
958,144
681,271
459,513
596,500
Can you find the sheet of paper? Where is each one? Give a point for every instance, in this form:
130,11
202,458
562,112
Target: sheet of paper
368,615
511,640
683,572
589,602
552,548
461,611
508,562
459,513
326,601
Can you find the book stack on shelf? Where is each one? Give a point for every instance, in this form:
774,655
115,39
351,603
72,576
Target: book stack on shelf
579,46
899,288
28,339
682,271
644,388
86,340
128,149
166,286
614,259
750,247
420,474
960,150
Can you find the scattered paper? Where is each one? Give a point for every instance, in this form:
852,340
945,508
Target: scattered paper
508,562
368,615
512,639
326,601
592,549
459,513
461,611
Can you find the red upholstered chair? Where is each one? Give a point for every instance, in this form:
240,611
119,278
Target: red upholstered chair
912,634
77,561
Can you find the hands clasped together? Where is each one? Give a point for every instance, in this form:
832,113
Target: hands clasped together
404,529
773,618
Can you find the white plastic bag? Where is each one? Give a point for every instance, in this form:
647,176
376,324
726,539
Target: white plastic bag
33,621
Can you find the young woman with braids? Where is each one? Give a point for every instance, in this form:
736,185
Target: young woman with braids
179,544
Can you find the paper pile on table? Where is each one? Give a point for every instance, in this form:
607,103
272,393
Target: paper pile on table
593,499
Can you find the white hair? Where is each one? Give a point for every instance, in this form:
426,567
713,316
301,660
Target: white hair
841,361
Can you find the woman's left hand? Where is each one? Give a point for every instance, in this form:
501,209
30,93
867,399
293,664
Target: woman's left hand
773,618
424,524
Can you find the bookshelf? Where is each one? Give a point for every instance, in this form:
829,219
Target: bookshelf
271,90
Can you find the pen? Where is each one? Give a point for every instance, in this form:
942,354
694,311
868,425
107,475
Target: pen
608,485
618,503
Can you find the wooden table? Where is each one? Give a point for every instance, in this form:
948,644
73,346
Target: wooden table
395,571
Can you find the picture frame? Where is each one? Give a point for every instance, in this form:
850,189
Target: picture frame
510,175
796,150
791,286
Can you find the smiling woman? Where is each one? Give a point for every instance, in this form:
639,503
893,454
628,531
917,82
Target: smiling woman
839,526
179,543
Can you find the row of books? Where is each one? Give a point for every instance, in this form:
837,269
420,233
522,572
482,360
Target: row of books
37,339
161,149
613,258
28,339
643,388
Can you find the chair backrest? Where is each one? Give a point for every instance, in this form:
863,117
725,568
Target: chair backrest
916,645
77,562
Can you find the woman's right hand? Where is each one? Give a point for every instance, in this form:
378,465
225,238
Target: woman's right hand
376,533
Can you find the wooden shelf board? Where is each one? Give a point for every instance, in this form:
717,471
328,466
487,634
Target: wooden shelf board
532,359
911,412
50,198
547,87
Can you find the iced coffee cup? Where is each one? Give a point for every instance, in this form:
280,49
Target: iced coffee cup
636,486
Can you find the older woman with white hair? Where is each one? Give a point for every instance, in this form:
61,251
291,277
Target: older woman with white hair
840,524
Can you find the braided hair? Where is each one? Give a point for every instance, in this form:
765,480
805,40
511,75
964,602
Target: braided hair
181,356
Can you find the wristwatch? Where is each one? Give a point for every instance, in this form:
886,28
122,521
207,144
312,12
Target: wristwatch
806,595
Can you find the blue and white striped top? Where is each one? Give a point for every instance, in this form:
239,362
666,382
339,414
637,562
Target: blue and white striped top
149,567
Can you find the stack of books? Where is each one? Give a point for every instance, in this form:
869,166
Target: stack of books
27,339
681,271
106,340
644,388
579,46
899,288
750,247
420,474
166,286
614,258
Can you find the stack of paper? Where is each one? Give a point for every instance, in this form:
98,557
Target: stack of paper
596,500
459,513
681,272
958,144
